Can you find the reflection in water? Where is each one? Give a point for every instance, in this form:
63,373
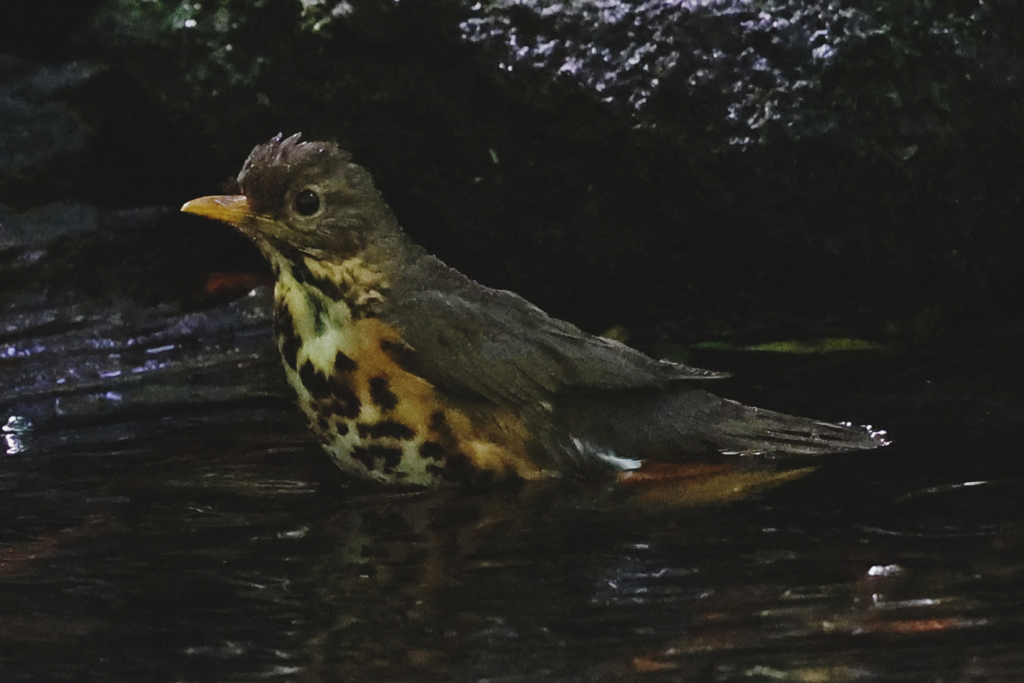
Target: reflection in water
168,518
12,432
14,444
557,582
965,509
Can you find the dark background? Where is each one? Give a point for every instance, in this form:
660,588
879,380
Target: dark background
738,170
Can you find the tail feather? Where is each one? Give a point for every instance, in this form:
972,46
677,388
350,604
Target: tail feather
685,426
755,431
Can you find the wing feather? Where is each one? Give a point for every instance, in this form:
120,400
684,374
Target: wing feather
475,340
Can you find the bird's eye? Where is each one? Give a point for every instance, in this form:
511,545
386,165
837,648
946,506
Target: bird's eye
307,202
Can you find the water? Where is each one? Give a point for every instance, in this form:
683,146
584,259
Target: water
166,517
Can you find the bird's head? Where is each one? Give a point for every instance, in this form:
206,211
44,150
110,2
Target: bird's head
302,198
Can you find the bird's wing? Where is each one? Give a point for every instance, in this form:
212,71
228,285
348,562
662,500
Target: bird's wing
492,343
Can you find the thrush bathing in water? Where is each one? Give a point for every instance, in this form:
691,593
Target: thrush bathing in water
410,372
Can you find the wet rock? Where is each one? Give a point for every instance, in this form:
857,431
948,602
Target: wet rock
790,168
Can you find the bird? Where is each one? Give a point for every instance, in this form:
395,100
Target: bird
410,372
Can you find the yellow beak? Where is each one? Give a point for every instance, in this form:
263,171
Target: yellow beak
233,209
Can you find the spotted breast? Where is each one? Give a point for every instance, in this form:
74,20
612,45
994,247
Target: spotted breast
376,418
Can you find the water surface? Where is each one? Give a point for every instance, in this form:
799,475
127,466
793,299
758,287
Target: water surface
166,517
